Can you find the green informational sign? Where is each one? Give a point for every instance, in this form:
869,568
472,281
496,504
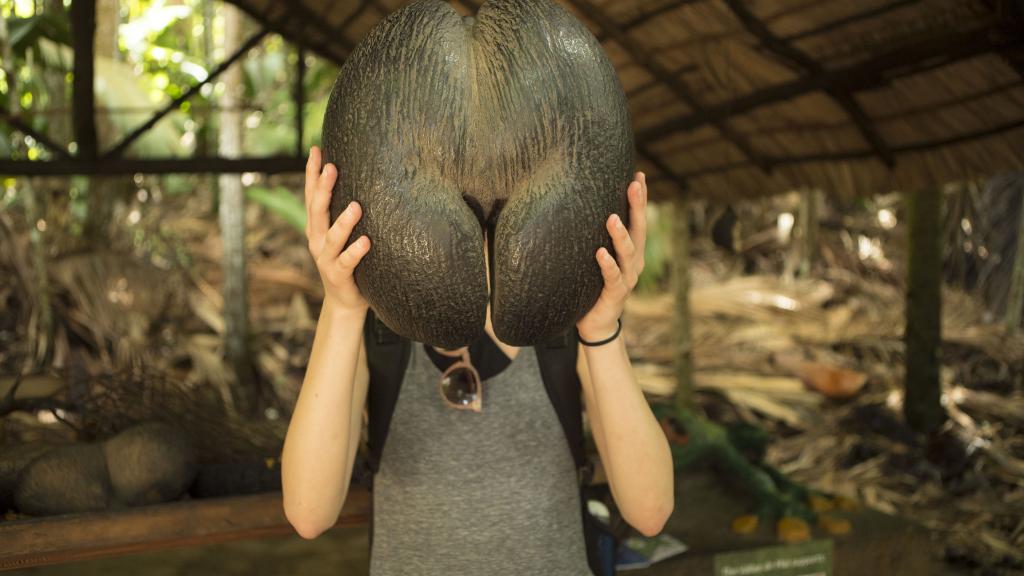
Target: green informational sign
807,559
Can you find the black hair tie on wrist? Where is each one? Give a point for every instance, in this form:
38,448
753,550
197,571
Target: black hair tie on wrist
606,340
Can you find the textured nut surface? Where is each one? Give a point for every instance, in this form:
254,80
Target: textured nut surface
443,127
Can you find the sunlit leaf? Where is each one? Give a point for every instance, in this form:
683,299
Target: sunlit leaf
282,202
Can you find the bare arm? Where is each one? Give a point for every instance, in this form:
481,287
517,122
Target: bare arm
636,456
323,435
635,453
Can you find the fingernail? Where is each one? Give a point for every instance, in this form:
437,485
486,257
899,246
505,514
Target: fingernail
618,222
349,207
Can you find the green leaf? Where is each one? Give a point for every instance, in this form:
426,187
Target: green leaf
280,201
25,32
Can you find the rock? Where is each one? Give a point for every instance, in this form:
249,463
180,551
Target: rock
150,463
68,479
13,459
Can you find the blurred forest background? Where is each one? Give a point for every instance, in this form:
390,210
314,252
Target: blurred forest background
116,304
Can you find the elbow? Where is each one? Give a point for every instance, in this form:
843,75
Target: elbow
652,519
307,531
305,524
307,528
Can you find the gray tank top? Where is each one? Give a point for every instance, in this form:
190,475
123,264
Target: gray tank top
459,493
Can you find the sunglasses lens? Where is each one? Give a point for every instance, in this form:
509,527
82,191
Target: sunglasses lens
459,387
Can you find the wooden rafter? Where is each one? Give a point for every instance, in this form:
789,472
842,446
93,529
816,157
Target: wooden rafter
662,167
935,107
863,154
851,19
300,13
363,5
907,59
1015,58
677,73
133,529
806,64
118,150
653,67
645,17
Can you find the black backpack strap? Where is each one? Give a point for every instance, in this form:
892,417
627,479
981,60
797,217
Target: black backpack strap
387,356
557,358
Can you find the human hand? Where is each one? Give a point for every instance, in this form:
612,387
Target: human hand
335,265
620,277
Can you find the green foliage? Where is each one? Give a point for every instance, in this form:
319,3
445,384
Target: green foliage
282,202
163,51
26,32
657,252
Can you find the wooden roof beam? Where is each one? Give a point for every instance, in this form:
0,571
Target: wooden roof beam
195,165
907,59
863,154
306,17
642,18
1015,58
851,19
664,168
641,57
806,64
363,6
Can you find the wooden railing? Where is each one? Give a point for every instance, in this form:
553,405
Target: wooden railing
72,537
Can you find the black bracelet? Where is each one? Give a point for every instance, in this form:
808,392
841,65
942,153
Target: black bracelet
606,340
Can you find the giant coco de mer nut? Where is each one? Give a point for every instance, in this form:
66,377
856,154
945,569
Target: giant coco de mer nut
510,123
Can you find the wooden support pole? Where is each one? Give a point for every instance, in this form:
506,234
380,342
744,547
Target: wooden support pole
198,165
1015,299
679,212
923,335
83,104
808,230
231,212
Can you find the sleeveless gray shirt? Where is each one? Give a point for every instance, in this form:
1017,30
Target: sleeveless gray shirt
459,493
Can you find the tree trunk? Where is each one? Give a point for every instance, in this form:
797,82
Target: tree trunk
808,230
924,302
232,227
104,190
679,212
40,329
1015,298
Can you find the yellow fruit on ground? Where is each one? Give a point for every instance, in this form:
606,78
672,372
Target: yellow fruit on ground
792,529
746,524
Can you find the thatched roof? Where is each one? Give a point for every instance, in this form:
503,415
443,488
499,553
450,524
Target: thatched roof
739,97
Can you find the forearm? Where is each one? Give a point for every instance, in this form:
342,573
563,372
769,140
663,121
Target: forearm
314,464
634,450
